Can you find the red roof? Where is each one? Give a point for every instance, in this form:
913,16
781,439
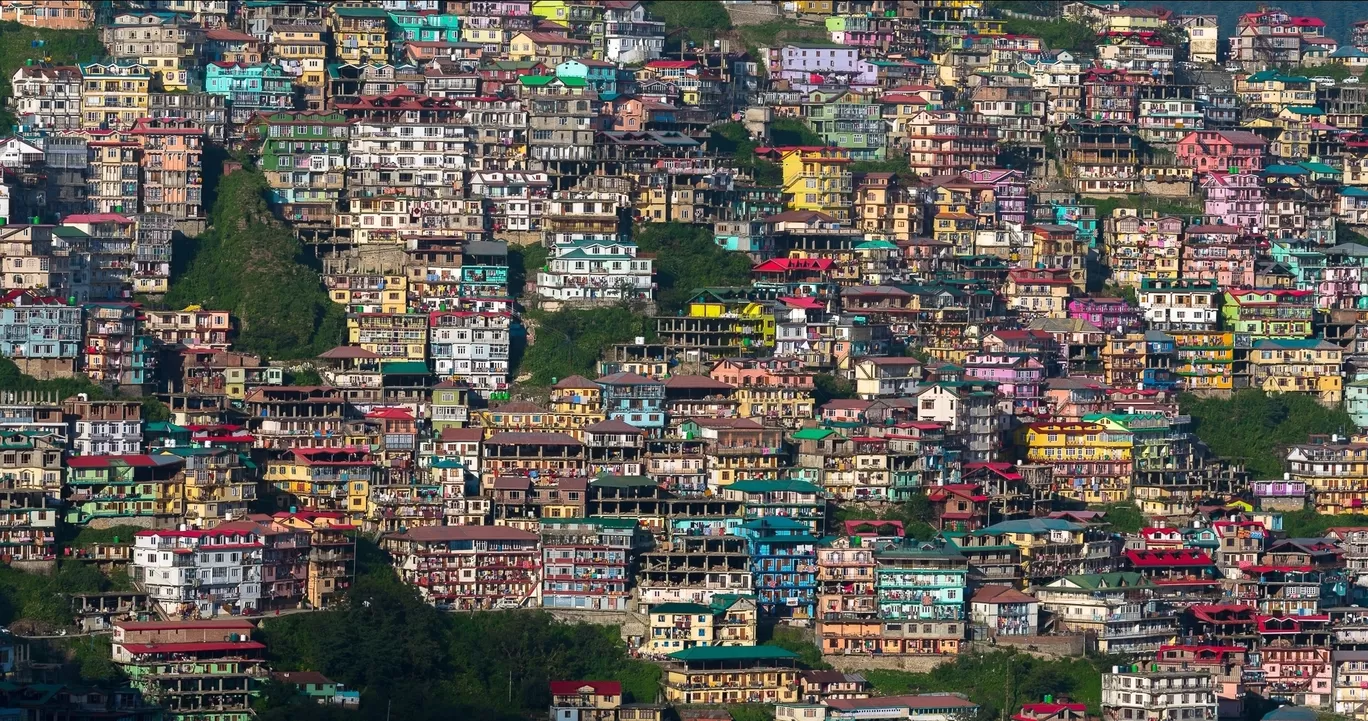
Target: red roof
774,265
1162,559
97,218
572,688
672,64
137,461
806,303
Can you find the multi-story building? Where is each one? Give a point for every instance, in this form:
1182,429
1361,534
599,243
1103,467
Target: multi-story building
592,272
169,45
47,97
303,157
589,562
924,586
248,90
200,573
469,567
1158,695
1309,366
113,94
196,670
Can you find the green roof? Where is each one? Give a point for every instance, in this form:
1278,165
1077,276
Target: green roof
733,653
1103,581
1029,525
404,368
776,523
812,434
689,608
755,485
362,12
536,80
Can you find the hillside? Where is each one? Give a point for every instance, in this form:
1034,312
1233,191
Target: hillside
249,263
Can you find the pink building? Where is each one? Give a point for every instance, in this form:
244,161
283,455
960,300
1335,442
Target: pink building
1235,199
763,373
1106,313
1210,150
1020,379
1223,253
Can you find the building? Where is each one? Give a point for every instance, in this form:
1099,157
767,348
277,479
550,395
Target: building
469,567
1158,695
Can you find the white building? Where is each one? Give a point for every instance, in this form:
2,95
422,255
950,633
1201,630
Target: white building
472,347
47,97
1179,304
200,572
595,272
1158,696
517,200
630,35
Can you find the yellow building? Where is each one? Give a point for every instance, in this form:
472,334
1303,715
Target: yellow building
556,11
1131,20
392,336
1204,360
720,323
818,178
814,7
360,34
677,626
789,406
113,94
1311,366
301,51
1335,475
217,485
1091,462
717,675
576,402
323,480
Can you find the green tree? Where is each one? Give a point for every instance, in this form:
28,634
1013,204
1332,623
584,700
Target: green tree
250,264
1256,428
792,131
828,387
700,20
570,342
20,44
686,259
1123,517
1057,34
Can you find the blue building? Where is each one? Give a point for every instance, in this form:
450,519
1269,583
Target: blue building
250,88
635,400
601,76
37,326
783,558
1158,373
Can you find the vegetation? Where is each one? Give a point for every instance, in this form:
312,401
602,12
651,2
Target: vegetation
686,259
798,641
1182,207
90,536
1256,428
1123,517
303,376
1057,34
250,264
43,601
1307,523
733,138
1001,681
524,262
792,131
766,35
916,516
56,46
412,661
570,342
828,387
699,20
12,379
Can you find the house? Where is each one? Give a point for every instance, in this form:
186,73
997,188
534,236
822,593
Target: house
1004,611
